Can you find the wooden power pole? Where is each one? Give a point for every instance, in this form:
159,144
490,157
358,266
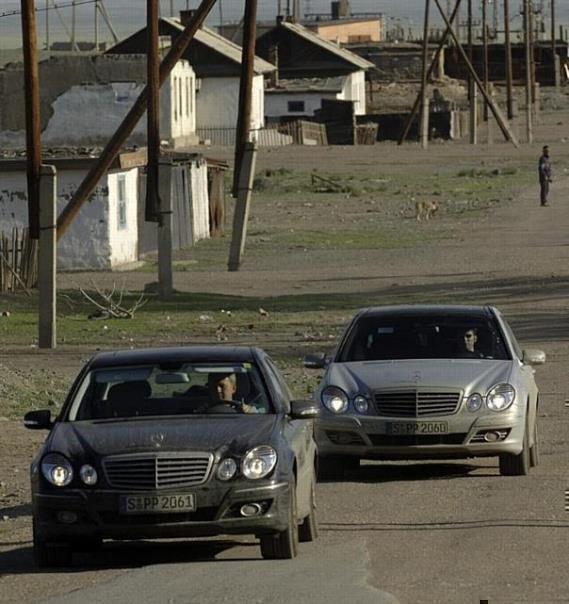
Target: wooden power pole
527,42
508,51
32,100
152,209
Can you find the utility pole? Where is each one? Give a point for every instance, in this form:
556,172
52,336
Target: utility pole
554,42
508,49
172,13
47,24
73,24
472,90
32,102
152,210
424,122
243,129
527,40
96,24
495,20
485,70
220,17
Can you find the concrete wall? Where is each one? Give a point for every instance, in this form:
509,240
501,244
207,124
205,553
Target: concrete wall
218,103
84,99
93,240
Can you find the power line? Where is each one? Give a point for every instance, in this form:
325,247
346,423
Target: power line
54,6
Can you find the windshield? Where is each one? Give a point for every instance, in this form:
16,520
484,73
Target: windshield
159,390
423,337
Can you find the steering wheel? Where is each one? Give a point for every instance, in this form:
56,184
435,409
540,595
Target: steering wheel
225,406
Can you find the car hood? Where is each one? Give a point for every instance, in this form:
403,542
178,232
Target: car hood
470,375
219,434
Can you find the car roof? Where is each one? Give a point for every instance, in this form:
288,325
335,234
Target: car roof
427,309
179,354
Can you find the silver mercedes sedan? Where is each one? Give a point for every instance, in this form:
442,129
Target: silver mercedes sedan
427,382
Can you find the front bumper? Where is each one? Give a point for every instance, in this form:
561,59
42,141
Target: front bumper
367,436
217,513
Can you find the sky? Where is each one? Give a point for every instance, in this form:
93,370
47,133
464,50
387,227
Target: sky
129,15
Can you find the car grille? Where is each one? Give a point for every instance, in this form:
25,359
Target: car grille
157,471
416,403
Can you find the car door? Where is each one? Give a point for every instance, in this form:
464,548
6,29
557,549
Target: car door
299,434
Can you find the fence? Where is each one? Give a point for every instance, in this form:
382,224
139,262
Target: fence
299,132
18,261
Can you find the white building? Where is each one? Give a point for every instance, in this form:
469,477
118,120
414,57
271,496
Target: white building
85,99
109,231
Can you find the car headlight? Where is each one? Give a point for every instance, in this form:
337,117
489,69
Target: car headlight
259,462
57,469
227,469
88,475
474,402
500,397
335,399
361,404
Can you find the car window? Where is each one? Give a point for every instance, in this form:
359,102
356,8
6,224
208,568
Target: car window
515,344
283,391
375,338
154,391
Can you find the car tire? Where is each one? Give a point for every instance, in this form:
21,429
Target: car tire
308,530
283,545
534,450
516,465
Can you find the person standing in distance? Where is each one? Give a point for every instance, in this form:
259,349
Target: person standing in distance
545,175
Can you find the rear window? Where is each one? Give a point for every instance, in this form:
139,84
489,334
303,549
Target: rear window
158,390
423,337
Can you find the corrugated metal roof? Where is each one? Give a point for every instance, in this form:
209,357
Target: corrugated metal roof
314,38
309,85
222,45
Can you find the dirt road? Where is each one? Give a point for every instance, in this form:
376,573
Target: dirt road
455,532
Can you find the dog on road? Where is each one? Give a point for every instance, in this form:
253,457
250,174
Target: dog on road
425,210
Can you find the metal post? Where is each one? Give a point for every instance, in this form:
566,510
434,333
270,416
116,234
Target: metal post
32,102
47,271
153,114
241,216
243,130
113,147
527,40
73,25
165,279
424,134
509,70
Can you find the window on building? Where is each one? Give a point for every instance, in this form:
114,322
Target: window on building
296,106
121,203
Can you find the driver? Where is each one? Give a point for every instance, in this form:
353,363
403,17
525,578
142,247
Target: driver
222,388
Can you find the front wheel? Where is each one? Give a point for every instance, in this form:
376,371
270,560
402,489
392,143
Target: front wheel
516,465
283,545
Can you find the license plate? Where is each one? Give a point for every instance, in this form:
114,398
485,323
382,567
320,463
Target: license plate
157,504
415,428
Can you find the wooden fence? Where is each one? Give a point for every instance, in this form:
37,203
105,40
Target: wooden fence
18,261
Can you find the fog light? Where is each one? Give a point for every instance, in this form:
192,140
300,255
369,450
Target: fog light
250,509
67,517
491,437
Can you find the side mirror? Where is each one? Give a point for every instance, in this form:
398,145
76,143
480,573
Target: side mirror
38,420
532,356
316,361
304,410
